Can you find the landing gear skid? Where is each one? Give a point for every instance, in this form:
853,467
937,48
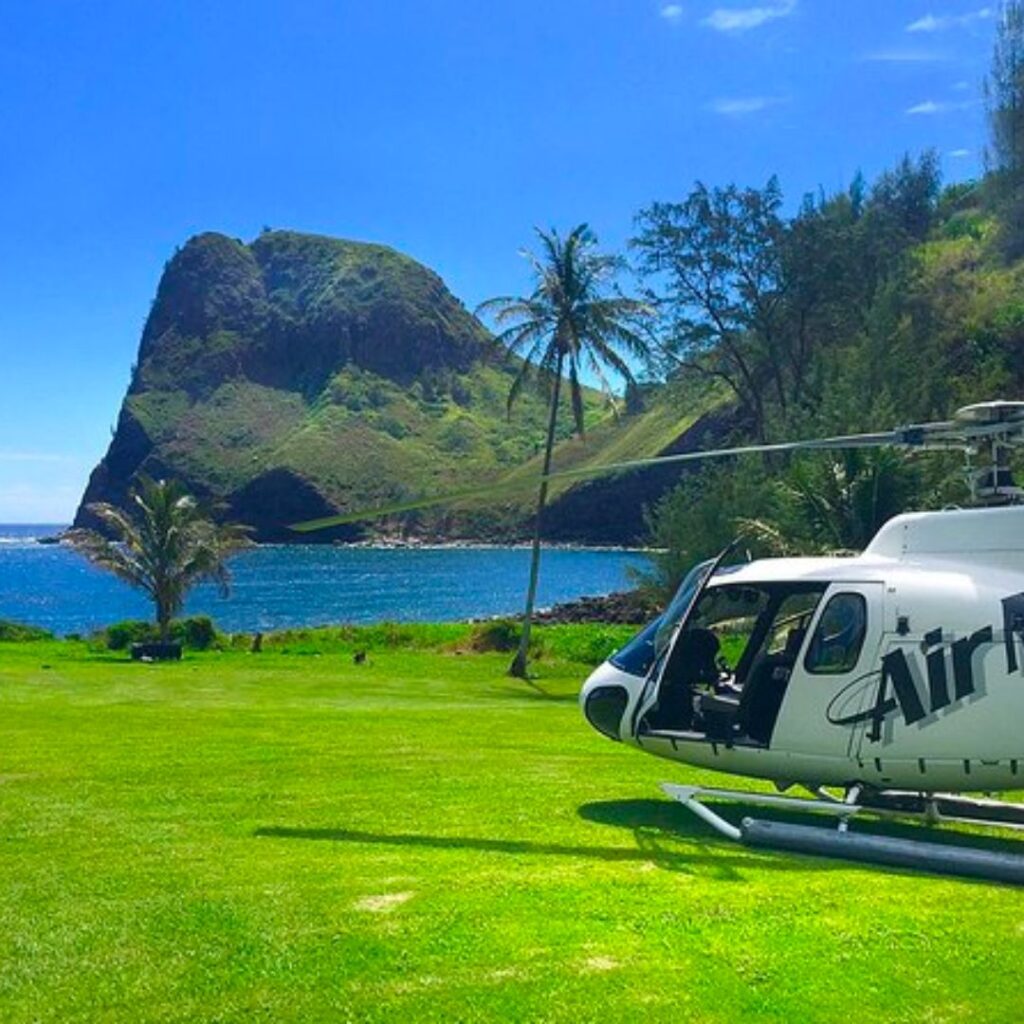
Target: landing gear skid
941,858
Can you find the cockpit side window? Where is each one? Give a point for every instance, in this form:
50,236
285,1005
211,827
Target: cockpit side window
732,613
839,636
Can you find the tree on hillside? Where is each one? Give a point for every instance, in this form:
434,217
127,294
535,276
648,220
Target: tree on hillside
1004,95
839,254
1004,101
717,256
903,200
164,545
572,323
757,301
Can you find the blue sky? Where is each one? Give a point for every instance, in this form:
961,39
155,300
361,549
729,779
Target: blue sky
447,129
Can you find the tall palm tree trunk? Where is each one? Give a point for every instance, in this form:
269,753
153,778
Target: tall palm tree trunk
518,668
163,622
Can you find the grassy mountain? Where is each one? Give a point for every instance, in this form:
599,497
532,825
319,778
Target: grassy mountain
301,375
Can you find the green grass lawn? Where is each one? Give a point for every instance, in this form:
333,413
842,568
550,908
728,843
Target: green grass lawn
293,837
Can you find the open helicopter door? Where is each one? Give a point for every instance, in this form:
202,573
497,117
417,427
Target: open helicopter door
672,623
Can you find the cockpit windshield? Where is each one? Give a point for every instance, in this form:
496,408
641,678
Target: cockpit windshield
680,605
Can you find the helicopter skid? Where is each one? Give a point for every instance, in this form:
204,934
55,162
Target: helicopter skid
939,807
945,858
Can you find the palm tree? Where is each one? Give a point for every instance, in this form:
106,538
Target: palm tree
164,546
570,324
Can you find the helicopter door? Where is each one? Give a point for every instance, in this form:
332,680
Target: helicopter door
671,623
837,673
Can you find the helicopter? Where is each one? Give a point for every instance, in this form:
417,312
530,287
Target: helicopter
895,676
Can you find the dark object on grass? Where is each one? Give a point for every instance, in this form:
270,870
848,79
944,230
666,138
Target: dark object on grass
495,635
359,657
257,644
157,651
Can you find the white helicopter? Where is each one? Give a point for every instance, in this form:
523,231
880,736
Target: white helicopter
896,675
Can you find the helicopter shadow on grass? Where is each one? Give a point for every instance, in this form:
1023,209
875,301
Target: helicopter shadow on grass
665,836
672,838
659,822
535,692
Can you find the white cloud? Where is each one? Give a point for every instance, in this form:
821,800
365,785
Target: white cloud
904,56
740,19
959,154
671,12
934,107
738,106
961,86
942,22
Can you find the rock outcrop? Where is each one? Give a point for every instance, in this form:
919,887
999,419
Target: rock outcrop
300,376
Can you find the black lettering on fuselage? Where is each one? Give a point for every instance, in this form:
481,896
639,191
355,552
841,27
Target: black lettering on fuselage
895,671
963,657
1013,629
898,690
935,659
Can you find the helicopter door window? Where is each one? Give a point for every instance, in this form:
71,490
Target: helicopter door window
732,614
768,667
835,646
789,626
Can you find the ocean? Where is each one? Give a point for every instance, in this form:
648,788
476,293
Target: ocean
286,586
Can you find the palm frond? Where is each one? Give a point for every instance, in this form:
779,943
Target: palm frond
165,546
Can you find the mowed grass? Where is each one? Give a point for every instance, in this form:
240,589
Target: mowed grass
291,837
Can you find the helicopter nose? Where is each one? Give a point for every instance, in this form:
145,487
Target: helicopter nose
605,698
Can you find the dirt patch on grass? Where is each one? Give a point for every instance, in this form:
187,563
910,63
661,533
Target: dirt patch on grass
384,903
600,963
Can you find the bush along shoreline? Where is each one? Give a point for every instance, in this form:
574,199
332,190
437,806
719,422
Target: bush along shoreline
585,643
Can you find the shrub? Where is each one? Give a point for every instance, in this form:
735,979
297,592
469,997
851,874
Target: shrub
18,633
588,643
496,635
197,633
121,635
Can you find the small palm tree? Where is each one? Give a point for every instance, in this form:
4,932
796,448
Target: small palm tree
570,324
164,546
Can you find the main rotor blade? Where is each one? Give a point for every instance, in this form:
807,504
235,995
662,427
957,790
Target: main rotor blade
823,444
948,435
411,505
933,435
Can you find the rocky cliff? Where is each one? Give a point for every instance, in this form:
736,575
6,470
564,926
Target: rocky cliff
298,376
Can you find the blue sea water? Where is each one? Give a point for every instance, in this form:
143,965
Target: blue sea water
279,586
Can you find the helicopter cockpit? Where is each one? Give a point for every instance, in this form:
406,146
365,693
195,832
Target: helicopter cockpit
717,664
726,672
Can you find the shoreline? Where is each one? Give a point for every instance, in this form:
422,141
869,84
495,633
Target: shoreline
50,539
